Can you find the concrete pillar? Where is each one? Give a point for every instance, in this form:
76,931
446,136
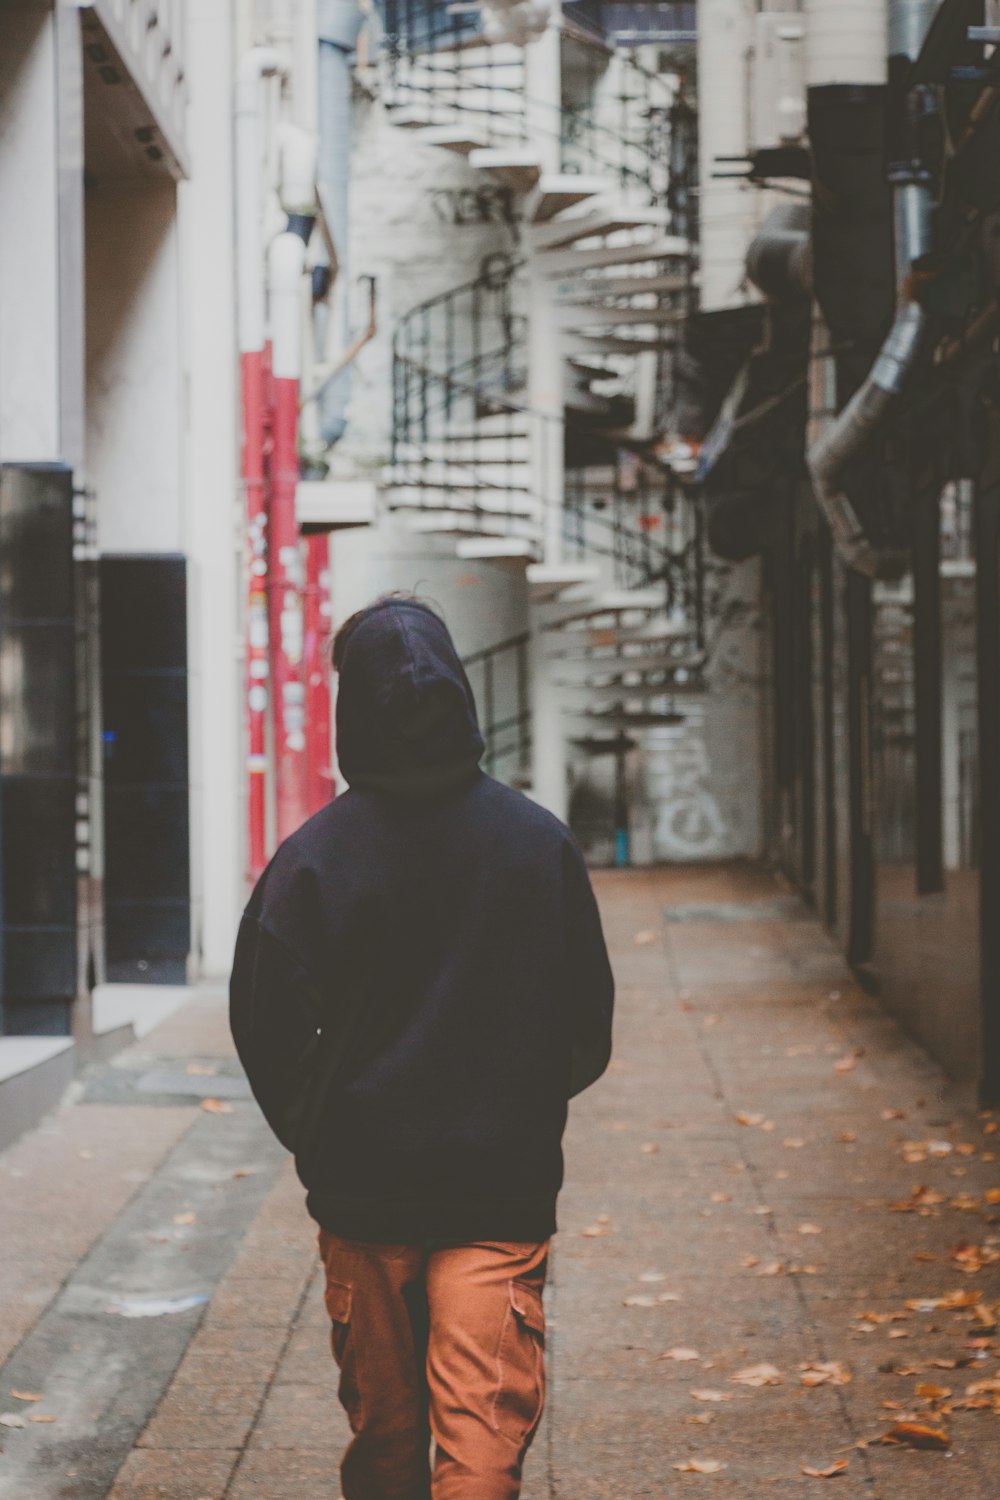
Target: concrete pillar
30,387
549,781
213,534
543,92
728,206
846,41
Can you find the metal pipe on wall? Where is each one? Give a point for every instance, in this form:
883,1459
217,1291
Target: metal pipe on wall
286,263
339,22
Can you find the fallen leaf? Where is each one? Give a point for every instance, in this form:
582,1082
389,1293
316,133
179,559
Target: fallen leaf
993,1196
594,1231
745,1118
839,1466
646,936
187,1218
773,1268
11,1419
846,1064
701,1466
37,1416
653,1276
750,1261
703,1394
722,1197
245,1172
916,1435
927,1391
793,1143
701,1417
848,1137
216,1107
201,1070
810,1229
762,1208
649,1148
758,1375
825,1372
681,1355
668,1297
951,1302
25,1396
893,1114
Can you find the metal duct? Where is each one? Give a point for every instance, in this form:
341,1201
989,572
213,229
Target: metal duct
779,260
339,22
879,392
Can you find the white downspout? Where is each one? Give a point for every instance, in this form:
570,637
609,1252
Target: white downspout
255,65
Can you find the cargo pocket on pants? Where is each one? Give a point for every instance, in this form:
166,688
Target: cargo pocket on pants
517,1407
339,1301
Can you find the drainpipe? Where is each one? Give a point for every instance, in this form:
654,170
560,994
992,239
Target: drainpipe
318,620
779,260
878,395
286,264
256,65
339,23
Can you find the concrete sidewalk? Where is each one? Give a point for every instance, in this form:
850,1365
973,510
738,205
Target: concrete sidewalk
769,1180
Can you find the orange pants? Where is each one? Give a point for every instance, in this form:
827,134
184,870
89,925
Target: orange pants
443,1343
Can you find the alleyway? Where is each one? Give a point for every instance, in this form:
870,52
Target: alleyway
770,1180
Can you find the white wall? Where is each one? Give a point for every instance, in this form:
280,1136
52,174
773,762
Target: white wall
134,439
29,241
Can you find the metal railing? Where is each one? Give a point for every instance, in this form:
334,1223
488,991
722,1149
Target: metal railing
499,679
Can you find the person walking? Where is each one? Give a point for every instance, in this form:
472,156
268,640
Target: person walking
420,985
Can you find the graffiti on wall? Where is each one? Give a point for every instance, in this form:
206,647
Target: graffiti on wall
688,821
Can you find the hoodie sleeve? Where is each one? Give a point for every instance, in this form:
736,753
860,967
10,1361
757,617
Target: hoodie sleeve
592,985
274,1017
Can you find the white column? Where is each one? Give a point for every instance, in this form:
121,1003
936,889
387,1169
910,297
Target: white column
728,206
846,41
212,531
543,92
30,426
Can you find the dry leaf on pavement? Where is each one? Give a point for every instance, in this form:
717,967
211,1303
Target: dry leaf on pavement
758,1375
745,1117
839,1466
216,1107
644,937
701,1394
187,1218
681,1355
916,1435
846,1064
25,1396
11,1419
825,1372
701,1466
37,1416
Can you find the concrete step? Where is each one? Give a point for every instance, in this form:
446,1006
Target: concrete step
616,343
499,424
633,252
467,523
586,314
503,479
557,191
469,450
596,221
517,167
622,659
608,602
622,689
662,283
548,581
497,549
490,502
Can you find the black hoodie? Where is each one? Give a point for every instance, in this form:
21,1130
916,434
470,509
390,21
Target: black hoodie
420,981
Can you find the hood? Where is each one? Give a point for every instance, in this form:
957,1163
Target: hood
406,717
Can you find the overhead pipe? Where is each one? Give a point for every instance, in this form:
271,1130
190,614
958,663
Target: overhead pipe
286,266
879,393
779,260
339,22
259,63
